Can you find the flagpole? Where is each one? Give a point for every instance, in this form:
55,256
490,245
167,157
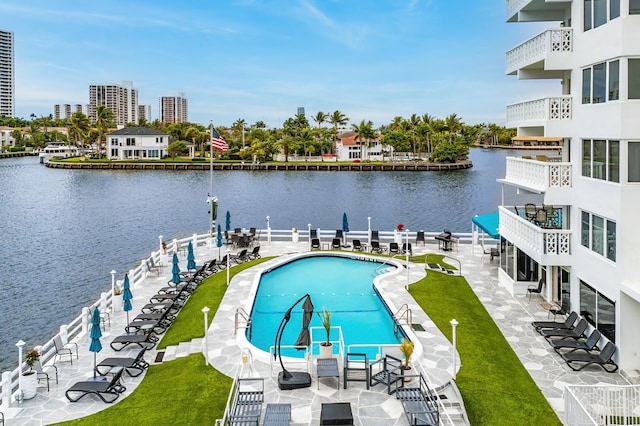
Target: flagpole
213,223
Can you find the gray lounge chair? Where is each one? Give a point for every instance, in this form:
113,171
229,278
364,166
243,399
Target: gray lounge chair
568,323
134,366
106,390
255,253
145,341
315,244
566,333
602,358
588,345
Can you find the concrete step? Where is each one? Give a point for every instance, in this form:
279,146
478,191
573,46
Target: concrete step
183,349
170,353
196,345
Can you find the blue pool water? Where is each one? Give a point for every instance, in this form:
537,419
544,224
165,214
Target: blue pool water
343,285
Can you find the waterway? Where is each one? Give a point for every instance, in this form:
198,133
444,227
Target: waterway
63,231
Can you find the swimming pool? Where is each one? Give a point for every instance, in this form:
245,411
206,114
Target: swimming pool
344,285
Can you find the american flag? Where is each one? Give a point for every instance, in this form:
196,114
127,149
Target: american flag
217,141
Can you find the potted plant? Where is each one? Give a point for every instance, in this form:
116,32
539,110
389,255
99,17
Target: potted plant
406,347
29,377
116,299
397,234
326,347
294,235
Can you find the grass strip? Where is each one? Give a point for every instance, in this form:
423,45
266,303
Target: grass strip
496,387
180,392
188,324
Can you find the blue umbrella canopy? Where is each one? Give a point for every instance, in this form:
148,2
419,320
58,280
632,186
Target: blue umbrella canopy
95,335
219,237
175,271
227,225
345,223
126,296
191,260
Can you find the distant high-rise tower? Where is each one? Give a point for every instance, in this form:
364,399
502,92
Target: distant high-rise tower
122,99
144,111
7,75
301,110
173,109
67,110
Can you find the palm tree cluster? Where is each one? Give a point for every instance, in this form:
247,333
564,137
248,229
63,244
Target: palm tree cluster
416,137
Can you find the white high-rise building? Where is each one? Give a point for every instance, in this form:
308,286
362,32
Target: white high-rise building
67,110
7,74
122,99
173,109
144,111
575,222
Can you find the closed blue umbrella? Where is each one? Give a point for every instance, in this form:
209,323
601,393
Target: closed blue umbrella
191,260
126,296
219,240
175,271
228,222
345,225
95,335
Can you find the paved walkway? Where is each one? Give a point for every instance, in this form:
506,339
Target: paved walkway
512,314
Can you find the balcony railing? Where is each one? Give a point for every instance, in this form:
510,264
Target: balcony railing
538,175
531,237
557,40
552,109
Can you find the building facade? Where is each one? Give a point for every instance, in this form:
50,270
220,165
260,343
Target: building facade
137,143
122,99
575,224
173,109
144,111
7,74
61,111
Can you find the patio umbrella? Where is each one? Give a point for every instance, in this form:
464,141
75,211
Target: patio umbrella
175,277
304,339
345,225
227,225
219,240
95,335
191,260
126,296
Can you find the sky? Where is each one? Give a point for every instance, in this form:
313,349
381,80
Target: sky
261,60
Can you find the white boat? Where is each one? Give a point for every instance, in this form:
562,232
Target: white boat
57,149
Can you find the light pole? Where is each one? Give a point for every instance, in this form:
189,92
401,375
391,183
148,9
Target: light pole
268,231
454,324
160,238
205,311
369,228
228,254
113,286
406,252
309,226
20,394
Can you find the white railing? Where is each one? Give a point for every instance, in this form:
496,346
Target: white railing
552,108
530,236
539,175
602,405
557,40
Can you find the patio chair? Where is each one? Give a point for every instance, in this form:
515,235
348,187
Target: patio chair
227,238
568,323
252,231
237,230
535,289
239,257
255,253
390,372
376,247
313,234
393,248
552,216
339,234
603,358
420,238
407,248
235,240
530,210
565,333
541,218
357,245
574,345
356,369
43,375
134,366
64,349
336,244
107,391
315,244
151,268
375,236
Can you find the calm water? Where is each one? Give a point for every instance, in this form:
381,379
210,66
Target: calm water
344,286
65,230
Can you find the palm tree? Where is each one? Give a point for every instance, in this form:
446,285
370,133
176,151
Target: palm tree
364,132
78,127
337,119
320,118
104,120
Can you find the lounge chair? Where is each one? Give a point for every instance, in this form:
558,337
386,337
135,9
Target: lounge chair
357,245
315,244
375,236
134,366
603,358
145,341
106,390
393,248
255,253
239,257
146,326
535,289
339,234
568,323
336,244
566,333
406,248
419,401
376,247
574,345
420,238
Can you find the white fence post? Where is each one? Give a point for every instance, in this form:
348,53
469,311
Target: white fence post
6,389
132,278
63,333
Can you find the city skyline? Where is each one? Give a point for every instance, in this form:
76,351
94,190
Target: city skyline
261,60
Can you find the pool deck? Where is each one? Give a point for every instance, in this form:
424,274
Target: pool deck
512,314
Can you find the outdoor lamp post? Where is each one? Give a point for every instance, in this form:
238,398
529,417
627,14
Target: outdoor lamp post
205,311
228,254
113,285
160,238
268,231
454,323
20,395
309,226
369,229
406,252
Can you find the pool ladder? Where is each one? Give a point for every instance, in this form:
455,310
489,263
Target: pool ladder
242,320
402,316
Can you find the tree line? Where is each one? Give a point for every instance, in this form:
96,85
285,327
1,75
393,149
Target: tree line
418,136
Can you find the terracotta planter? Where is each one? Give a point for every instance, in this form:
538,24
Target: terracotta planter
326,351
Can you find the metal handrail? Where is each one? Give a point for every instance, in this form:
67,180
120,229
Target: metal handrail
242,320
403,312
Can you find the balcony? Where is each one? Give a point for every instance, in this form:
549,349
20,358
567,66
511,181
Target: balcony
539,110
537,176
537,10
548,51
547,246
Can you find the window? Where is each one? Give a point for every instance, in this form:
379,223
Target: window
614,9
588,15
595,12
601,159
634,78
598,310
633,162
114,141
614,80
586,86
634,7
131,142
599,13
592,235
